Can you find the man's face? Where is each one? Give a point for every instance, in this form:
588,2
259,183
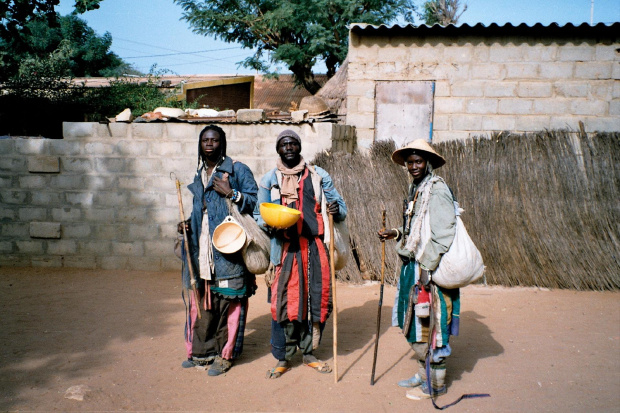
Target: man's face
416,165
210,143
289,150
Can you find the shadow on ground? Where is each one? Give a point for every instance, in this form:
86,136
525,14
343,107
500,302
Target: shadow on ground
475,342
62,327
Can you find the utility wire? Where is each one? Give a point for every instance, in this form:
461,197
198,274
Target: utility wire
181,53
205,61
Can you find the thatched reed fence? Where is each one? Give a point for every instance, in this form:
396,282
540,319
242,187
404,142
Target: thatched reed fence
368,183
543,208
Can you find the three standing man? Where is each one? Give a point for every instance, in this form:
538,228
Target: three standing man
300,283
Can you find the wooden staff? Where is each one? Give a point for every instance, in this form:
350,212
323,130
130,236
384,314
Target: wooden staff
189,260
332,265
374,360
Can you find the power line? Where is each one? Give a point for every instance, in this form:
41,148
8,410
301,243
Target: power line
144,44
205,61
181,53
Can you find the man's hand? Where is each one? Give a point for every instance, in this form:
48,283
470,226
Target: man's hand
180,227
385,234
222,185
333,208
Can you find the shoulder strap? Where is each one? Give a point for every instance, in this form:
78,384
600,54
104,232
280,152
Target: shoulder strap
279,178
316,183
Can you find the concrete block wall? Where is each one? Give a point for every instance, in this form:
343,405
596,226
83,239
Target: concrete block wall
102,197
484,86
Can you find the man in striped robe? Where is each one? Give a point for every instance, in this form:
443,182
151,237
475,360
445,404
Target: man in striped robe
300,292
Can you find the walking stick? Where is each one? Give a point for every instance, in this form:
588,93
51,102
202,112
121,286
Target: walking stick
374,360
189,261
332,265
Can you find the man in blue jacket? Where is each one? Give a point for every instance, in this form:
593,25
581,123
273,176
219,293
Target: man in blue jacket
223,282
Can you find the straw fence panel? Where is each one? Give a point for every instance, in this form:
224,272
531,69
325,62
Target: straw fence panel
543,208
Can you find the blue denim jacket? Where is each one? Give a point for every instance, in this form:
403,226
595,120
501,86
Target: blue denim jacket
269,191
241,178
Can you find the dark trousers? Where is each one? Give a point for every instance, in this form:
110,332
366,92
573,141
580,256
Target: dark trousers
210,333
287,336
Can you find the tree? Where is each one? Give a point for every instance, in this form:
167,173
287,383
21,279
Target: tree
87,54
295,32
16,19
442,12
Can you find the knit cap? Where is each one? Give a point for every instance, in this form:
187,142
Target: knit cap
288,134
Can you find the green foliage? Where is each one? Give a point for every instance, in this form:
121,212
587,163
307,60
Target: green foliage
17,17
86,53
140,97
442,12
297,33
428,14
82,6
41,93
40,54
44,78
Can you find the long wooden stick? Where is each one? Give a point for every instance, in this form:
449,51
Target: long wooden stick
332,265
189,260
374,360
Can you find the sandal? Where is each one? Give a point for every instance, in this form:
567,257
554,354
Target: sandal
278,370
318,365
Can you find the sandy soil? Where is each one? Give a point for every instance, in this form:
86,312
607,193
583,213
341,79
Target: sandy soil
119,335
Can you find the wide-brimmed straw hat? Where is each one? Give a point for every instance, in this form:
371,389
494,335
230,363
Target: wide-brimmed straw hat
421,147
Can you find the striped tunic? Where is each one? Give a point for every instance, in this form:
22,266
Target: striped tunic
301,288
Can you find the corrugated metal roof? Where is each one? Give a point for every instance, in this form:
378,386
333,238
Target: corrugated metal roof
160,80
600,30
283,119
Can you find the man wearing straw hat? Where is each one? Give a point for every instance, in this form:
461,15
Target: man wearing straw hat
223,281
300,291
422,305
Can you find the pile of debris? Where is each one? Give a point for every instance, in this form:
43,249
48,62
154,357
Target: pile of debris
311,109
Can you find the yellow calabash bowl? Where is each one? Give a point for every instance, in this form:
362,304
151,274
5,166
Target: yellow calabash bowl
279,216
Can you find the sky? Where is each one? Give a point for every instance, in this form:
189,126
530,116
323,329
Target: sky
151,32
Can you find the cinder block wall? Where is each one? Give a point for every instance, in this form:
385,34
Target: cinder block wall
486,85
102,197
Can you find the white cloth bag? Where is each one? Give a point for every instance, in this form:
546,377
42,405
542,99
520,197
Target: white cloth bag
462,263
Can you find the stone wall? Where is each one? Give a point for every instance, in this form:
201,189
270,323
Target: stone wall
102,197
487,85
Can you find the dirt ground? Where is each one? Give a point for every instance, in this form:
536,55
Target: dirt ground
119,335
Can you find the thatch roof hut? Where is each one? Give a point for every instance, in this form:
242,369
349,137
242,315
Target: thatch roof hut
334,92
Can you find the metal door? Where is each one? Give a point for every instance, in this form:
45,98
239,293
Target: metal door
404,111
